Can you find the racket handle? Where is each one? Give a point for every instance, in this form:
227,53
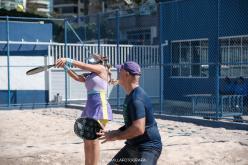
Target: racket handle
50,66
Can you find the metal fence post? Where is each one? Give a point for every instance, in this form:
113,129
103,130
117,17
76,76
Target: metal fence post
161,78
117,53
8,63
85,28
65,54
217,65
98,33
161,96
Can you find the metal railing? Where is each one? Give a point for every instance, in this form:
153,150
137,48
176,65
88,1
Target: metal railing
144,55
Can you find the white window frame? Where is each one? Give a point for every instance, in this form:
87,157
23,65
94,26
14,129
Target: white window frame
229,65
181,64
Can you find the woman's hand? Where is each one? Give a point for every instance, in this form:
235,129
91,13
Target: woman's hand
60,63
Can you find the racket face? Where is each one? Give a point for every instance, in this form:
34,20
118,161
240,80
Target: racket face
38,69
86,128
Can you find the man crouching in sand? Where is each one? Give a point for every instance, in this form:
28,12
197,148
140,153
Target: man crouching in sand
143,141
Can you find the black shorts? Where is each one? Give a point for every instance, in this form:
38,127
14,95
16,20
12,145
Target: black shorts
129,155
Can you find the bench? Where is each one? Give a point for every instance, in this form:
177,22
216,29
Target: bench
228,105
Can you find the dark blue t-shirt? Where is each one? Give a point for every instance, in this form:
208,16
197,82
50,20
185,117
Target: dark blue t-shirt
137,105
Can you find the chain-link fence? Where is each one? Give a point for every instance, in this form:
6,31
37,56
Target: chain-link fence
205,58
24,44
32,42
122,35
193,55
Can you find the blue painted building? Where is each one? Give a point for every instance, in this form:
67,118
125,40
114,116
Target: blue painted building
205,41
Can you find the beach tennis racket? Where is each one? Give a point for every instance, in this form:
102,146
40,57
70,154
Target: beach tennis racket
39,69
86,128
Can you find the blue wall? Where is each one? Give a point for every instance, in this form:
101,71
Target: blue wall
24,96
29,32
233,17
194,19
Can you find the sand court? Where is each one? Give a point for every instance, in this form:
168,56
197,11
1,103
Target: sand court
45,136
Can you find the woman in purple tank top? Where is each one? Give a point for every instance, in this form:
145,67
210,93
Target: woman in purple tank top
97,106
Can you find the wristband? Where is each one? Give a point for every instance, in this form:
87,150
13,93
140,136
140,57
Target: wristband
66,68
69,62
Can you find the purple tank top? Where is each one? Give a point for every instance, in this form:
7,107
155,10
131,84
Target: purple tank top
95,83
97,106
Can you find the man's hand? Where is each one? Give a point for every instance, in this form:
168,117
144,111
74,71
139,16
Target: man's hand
108,135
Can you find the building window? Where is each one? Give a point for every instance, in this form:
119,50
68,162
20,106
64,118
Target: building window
234,56
189,58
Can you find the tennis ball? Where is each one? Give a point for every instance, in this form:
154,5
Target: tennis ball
20,8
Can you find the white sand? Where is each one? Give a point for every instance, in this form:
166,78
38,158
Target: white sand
46,136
